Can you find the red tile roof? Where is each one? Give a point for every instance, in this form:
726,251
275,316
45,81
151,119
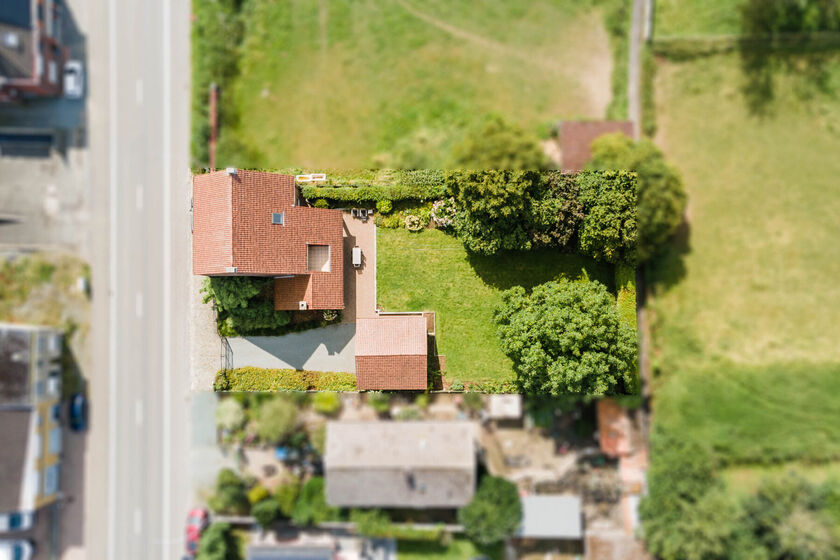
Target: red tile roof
613,428
576,137
233,233
391,353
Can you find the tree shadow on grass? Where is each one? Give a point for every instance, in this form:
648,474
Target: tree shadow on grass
507,269
667,269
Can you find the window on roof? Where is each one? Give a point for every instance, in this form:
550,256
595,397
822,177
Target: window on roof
278,218
318,258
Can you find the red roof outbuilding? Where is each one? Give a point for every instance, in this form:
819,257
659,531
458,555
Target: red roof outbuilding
250,223
391,353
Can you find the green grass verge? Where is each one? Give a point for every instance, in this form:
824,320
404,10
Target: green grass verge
261,379
339,83
681,18
432,271
458,549
745,480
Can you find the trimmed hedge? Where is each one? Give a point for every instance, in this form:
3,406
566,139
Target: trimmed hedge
625,285
262,379
374,193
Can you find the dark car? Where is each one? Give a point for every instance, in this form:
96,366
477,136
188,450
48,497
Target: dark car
77,412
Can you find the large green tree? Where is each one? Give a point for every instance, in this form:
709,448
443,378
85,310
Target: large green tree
494,208
566,337
218,543
558,213
311,506
277,419
498,144
661,196
609,229
494,513
230,496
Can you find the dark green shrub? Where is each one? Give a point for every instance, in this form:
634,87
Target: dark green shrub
494,513
608,231
311,507
286,495
277,419
379,402
233,292
321,203
266,512
566,337
230,496
558,213
218,543
384,206
498,144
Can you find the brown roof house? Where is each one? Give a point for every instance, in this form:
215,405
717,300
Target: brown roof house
392,352
31,54
417,464
576,138
250,223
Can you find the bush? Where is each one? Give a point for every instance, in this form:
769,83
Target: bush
558,213
371,523
229,496
494,208
497,144
379,402
327,403
374,193
384,206
230,414
286,496
661,197
608,232
625,284
414,223
232,292
473,402
276,419
494,513
321,203
260,379
266,512
566,337
408,413
456,385
318,438
443,213
311,507
257,493
244,305
330,315
218,543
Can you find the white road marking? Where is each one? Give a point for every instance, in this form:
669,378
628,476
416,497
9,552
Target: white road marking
138,521
138,412
166,331
138,304
138,198
112,311
139,91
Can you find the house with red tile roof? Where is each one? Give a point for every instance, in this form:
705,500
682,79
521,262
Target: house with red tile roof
251,223
392,353
576,138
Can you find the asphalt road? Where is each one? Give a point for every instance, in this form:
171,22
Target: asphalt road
137,480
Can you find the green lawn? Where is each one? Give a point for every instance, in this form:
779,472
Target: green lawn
335,83
432,271
684,18
458,549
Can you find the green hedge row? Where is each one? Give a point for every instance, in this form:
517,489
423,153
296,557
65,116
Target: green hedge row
262,379
625,285
374,193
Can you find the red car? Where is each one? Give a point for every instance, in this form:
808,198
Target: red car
197,520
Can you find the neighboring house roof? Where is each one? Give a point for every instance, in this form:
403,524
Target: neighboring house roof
613,428
577,136
247,223
391,353
15,352
290,552
16,12
14,436
551,517
400,464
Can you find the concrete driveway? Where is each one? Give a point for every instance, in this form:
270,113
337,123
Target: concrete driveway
332,348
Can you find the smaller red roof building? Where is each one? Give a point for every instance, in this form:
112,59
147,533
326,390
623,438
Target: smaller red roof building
576,138
250,223
391,353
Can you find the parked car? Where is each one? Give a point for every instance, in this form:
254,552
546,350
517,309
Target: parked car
197,521
16,549
74,79
77,412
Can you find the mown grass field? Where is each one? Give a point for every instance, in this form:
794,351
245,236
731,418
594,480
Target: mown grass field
745,318
431,270
686,18
338,83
